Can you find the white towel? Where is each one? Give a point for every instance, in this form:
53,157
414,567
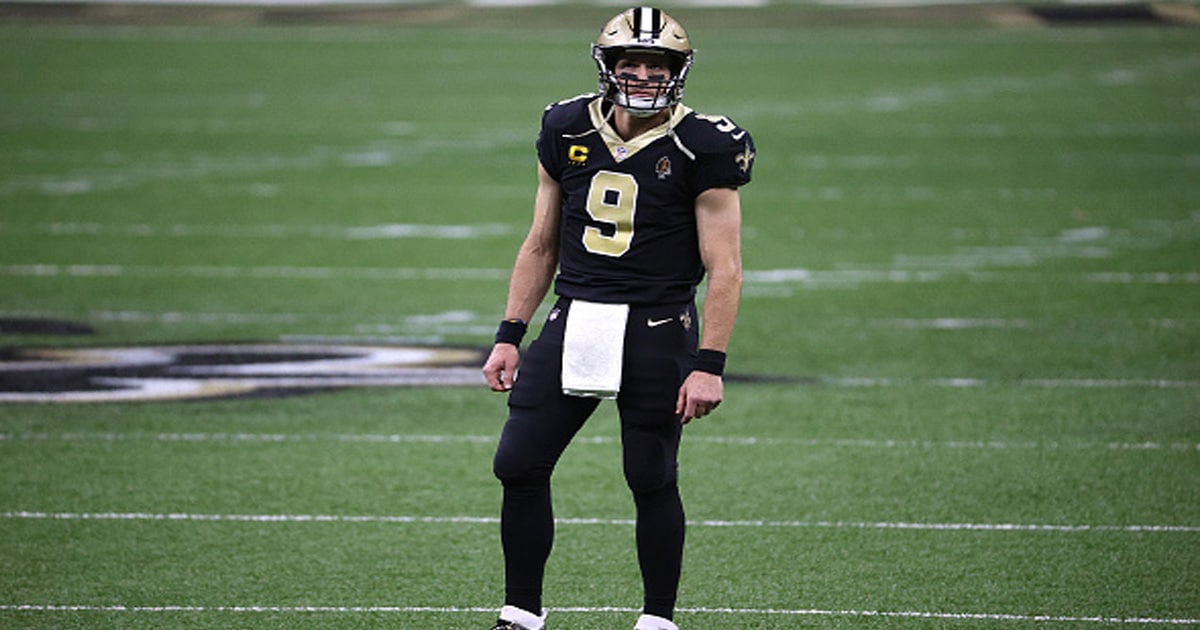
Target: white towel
593,349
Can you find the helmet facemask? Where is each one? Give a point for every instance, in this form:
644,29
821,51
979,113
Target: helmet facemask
641,97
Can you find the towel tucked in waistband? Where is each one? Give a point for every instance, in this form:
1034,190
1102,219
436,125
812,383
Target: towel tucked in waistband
593,349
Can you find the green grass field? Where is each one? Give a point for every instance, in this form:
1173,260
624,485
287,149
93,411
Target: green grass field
968,358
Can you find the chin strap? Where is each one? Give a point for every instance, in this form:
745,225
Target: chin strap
643,113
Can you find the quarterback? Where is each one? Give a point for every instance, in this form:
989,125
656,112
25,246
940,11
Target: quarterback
637,202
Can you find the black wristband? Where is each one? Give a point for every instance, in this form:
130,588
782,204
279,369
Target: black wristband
710,361
511,331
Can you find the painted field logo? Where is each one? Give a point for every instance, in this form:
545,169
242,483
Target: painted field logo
146,373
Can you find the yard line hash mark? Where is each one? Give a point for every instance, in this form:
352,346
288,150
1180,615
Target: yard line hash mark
811,612
493,520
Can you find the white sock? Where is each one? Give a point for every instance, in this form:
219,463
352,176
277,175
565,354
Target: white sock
523,617
653,622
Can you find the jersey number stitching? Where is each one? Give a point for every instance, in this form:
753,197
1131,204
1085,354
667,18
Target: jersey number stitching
611,200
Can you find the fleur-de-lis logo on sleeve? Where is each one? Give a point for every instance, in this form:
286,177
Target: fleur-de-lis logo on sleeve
745,158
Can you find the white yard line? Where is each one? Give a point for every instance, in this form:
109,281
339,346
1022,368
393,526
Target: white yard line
455,319
492,520
740,612
230,272
263,231
184,386
797,276
1044,383
741,441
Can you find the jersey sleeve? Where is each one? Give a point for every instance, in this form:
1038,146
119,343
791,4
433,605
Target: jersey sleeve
724,153
548,150
564,117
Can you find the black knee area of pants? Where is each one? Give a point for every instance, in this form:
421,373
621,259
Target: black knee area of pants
650,443
648,481
516,471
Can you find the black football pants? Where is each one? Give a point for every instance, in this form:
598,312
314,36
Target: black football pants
542,421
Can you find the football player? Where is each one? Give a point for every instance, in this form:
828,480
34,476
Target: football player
637,201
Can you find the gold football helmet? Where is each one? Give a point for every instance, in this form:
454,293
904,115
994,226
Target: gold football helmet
643,30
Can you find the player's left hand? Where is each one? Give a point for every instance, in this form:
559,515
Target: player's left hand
699,396
500,370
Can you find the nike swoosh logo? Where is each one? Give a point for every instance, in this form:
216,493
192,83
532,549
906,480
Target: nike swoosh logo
738,135
654,323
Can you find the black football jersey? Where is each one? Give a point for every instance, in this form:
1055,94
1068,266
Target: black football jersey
628,227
